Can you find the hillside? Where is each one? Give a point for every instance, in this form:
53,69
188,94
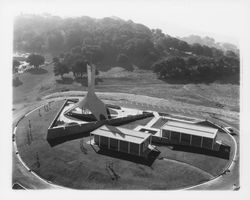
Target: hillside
130,57
111,42
210,42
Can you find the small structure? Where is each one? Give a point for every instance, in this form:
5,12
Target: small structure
122,140
189,134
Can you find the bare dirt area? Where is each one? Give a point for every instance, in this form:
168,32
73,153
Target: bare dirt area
140,82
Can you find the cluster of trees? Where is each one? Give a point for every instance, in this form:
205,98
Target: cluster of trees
76,61
60,69
110,38
196,68
33,59
110,42
210,42
167,43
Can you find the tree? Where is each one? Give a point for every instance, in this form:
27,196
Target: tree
92,53
197,49
76,50
159,68
55,60
79,68
107,42
55,41
60,69
123,61
61,55
231,54
97,72
191,61
183,46
15,64
36,60
173,67
217,53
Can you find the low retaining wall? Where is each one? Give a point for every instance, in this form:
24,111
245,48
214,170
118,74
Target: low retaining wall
62,132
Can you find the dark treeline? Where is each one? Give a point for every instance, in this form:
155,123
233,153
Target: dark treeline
196,68
110,42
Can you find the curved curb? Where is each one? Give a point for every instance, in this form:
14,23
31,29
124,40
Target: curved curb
227,168
19,157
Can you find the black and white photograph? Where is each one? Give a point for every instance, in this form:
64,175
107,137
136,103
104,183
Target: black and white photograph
126,95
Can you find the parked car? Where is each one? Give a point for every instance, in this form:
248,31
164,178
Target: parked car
230,130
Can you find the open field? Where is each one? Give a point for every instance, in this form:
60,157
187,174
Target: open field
76,160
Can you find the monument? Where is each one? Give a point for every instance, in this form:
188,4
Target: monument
91,104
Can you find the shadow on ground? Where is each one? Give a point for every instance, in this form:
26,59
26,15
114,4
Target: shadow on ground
206,80
136,159
37,71
61,140
222,153
65,80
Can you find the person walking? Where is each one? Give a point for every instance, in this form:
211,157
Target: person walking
30,135
37,160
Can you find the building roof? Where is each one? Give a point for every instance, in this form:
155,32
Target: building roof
119,133
191,129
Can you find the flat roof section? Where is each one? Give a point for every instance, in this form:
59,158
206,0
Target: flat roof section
123,134
191,129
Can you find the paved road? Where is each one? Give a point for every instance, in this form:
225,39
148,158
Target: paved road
228,180
22,174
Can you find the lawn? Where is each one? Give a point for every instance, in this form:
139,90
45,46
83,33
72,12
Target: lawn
76,164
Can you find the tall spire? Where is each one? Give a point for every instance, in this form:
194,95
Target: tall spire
91,77
91,101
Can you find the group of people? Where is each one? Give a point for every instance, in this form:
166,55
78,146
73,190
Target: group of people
46,108
29,135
